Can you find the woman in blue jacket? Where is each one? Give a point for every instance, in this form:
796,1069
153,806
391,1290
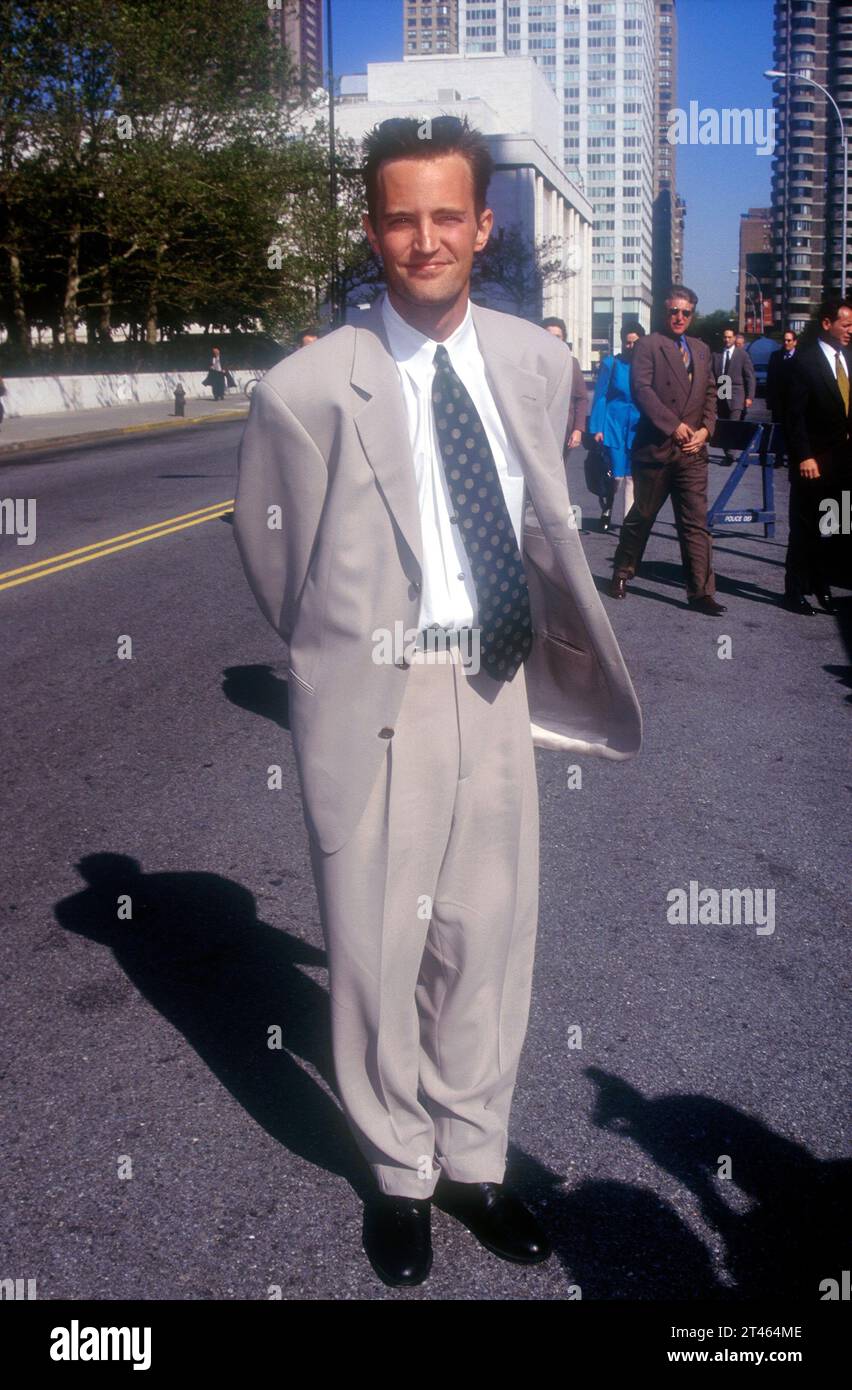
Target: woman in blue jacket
614,418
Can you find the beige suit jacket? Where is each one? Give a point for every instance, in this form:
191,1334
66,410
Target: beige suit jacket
326,449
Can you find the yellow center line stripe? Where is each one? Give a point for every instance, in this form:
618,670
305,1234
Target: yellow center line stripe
141,530
140,540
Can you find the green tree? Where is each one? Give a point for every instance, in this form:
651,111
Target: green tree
708,327
514,270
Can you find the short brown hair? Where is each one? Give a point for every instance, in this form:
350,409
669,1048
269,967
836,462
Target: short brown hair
403,137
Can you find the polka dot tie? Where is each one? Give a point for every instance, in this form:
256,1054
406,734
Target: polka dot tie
479,508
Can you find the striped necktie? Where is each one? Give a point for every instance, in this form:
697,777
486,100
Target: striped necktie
479,509
843,381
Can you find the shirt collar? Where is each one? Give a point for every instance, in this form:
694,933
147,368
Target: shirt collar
415,351
830,350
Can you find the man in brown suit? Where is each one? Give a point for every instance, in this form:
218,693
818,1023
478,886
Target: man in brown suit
674,386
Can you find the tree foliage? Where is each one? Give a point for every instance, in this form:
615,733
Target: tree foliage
149,167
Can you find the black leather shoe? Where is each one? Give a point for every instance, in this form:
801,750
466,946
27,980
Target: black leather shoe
398,1238
707,605
499,1220
796,603
618,586
826,602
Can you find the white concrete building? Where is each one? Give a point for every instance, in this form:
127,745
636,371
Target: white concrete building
511,103
599,59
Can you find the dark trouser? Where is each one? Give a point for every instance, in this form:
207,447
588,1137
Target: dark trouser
805,568
685,479
724,411
218,386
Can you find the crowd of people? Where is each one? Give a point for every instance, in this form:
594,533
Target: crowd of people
653,416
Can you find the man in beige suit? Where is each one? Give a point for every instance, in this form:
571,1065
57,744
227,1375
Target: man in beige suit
390,476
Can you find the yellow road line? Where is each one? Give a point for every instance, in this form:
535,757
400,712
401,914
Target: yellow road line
125,535
164,530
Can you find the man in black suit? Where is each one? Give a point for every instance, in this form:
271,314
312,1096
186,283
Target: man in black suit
777,383
777,375
735,379
819,438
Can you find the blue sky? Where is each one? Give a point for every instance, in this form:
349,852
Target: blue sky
724,47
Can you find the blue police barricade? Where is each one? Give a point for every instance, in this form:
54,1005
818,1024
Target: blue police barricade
749,440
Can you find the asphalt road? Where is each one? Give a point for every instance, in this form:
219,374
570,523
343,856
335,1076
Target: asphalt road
155,1147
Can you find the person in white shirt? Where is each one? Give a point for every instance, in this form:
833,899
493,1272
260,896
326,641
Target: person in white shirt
382,482
216,376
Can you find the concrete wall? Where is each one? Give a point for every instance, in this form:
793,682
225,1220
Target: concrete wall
44,395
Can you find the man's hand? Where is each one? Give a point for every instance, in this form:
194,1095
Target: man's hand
682,434
699,438
809,468
574,441
749,404
599,439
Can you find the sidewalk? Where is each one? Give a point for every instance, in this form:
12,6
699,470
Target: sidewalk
28,432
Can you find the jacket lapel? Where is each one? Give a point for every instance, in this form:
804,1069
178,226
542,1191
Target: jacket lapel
382,426
830,379
681,375
521,398
693,388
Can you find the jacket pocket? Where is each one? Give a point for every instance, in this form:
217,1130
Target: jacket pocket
563,642
298,679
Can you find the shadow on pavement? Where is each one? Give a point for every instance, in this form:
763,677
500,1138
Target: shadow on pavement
844,622
260,691
619,1241
196,950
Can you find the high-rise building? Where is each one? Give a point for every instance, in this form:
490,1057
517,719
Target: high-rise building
814,38
600,58
665,206
299,23
430,28
755,282
677,240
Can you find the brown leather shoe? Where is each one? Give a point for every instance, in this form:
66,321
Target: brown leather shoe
499,1220
707,605
618,586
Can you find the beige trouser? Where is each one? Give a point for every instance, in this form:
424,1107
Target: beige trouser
429,914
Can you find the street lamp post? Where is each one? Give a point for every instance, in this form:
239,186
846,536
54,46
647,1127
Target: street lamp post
801,77
752,276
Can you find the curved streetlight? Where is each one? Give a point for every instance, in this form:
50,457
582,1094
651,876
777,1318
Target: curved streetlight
751,274
802,77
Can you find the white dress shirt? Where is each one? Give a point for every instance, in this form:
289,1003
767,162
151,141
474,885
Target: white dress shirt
449,594
831,356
